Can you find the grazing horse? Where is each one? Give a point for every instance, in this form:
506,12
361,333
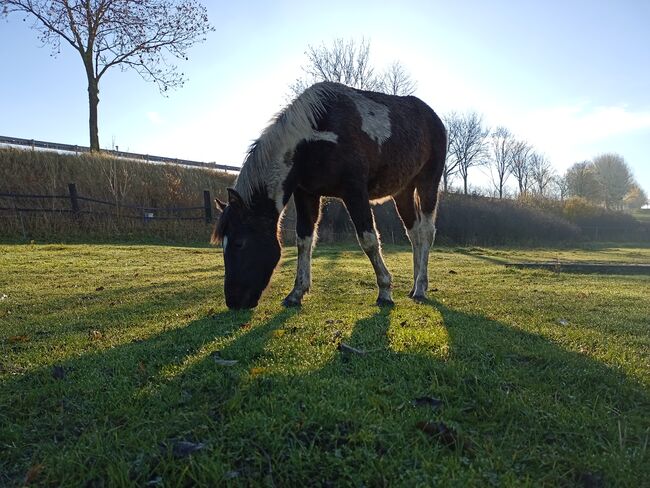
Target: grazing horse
336,141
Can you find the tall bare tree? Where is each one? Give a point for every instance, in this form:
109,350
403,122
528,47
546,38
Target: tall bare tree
614,176
501,148
397,81
467,146
133,34
453,122
348,62
520,165
541,173
560,187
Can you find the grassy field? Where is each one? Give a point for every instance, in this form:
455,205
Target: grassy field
117,368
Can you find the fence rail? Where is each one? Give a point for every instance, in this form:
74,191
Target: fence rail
55,146
146,213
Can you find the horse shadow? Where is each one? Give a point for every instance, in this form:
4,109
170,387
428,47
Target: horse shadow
344,396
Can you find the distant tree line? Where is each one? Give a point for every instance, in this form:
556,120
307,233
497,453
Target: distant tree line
605,181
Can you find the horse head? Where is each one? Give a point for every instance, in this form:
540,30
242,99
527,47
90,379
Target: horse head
251,249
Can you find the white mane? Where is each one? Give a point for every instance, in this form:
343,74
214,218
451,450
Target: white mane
265,164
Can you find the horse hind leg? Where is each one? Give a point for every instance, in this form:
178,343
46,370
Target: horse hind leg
358,206
418,216
307,214
423,232
422,236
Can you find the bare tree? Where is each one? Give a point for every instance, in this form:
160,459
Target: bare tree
467,145
520,165
541,173
343,62
614,177
453,122
560,187
501,148
348,62
397,81
581,182
133,34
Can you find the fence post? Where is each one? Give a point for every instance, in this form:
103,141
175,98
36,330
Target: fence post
207,205
74,201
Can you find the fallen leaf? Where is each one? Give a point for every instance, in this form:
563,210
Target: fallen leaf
257,371
426,401
451,271
329,321
99,288
95,335
403,323
222,362
591,480
278,333
246,325
3,296
343,347
443,434
58,372
18,338
33,473
182,449
564,322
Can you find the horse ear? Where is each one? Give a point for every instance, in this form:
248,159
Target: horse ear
234,198
221,206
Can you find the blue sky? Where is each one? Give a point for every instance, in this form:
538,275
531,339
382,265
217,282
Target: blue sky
571,77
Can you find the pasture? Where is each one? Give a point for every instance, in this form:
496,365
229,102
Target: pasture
120,366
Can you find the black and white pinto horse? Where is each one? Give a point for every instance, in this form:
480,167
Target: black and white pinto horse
333,141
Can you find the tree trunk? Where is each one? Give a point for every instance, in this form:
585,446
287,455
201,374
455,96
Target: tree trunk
93,102
465,183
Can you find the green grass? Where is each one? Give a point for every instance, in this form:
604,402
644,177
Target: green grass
107,362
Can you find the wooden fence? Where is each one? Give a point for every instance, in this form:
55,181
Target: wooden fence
73,204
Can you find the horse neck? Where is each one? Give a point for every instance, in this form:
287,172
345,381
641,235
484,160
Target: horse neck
258,183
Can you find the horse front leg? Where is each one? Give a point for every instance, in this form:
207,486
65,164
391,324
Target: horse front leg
307,214
359,209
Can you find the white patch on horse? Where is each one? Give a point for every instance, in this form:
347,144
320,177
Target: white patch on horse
225,243
303,271
323,136
375,118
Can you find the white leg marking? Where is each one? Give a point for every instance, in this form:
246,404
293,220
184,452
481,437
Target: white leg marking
303,271
414,237
370,244
425,230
